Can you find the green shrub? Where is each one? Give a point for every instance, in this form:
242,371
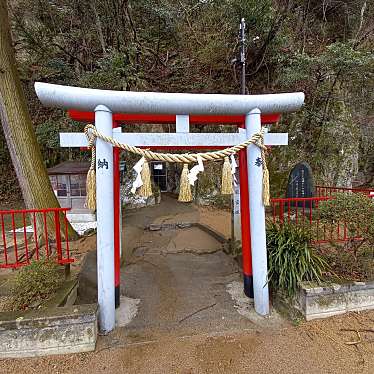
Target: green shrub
291,259
35,283
355,209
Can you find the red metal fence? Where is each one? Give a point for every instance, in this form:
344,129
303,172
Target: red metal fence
331,191
33,234
305,211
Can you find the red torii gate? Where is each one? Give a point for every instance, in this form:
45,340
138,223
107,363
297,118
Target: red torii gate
236,120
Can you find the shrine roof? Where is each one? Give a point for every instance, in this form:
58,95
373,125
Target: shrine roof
70,167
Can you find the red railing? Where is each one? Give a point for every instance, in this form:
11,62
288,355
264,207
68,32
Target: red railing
304,211
33,234
331,191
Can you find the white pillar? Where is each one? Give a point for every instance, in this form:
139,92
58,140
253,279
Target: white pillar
105,222
257,215
236,224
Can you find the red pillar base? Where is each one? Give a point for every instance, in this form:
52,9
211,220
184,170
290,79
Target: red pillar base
248,285
117,296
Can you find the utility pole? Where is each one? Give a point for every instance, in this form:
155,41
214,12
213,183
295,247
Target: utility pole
236,229
242,56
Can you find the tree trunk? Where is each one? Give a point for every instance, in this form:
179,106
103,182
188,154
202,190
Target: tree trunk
18,129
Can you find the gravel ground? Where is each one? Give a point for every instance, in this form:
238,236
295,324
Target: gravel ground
313,347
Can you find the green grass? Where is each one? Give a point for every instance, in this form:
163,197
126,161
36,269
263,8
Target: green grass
35,283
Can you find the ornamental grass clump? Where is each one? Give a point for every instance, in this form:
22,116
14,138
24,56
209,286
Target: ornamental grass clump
35,283
291,258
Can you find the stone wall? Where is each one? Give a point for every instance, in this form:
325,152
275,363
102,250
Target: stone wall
60,330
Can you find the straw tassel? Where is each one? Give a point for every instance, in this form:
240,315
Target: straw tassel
91,189
265,181
146,189
185,194
91,183
226,187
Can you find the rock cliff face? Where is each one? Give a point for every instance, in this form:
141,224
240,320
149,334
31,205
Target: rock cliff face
365,175
133,201
206,190
340,152
339,164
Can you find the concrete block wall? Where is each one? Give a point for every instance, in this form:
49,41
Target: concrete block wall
62,330
321,302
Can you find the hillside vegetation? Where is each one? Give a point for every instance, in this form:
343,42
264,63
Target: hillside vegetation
322,48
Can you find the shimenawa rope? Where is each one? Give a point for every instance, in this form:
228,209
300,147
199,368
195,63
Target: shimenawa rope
186,158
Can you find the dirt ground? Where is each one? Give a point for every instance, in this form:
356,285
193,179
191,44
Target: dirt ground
188,321
313,347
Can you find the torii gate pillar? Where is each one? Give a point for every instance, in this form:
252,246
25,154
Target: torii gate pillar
257,216
105,237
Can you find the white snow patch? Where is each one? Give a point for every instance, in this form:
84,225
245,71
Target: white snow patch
79,227
28,229
127,311
243,304
135,199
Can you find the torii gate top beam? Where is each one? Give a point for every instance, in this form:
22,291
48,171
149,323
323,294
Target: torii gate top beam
87,99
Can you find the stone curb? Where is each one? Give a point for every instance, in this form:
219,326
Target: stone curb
333,299
41,332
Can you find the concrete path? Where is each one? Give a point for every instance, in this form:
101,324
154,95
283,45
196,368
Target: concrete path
179,280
